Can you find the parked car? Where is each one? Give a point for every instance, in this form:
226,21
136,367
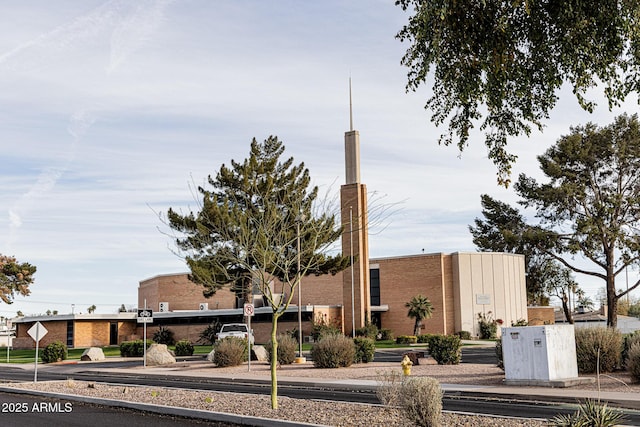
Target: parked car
238,330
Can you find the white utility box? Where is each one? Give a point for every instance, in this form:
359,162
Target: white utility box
540,355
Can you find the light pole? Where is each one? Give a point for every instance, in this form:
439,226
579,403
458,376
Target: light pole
300,358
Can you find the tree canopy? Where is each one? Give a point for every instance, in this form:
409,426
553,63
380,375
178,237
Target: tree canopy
15,278
247,224
590,204
501,64
504,229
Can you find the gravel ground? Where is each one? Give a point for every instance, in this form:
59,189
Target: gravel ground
310,411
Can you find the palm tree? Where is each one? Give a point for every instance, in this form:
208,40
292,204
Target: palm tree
420,308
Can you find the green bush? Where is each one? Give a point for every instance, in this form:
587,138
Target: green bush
421,401
321,328
445,349
633,361
424,338
54,352
287,347
184,348
365,349
385,334
595,344
488,326
230,351
368,331
464,335
132,348
333,351
590,413
628,340
406,339
164,336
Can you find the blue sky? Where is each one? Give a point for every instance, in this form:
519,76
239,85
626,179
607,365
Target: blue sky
110,109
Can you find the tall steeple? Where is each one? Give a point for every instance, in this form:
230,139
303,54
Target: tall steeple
355,237
351,148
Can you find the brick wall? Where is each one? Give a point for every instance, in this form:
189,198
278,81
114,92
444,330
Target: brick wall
541,316
181,294
91,333
403,278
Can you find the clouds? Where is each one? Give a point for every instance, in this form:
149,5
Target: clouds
110,109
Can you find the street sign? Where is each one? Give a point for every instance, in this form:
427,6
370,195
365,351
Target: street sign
37,331
249,310
145,315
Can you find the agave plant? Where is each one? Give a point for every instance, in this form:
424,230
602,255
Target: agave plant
589,414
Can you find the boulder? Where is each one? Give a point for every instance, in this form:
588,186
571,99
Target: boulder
158,354
210,355
92,354
259,353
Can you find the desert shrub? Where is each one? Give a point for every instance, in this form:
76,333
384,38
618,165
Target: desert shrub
333,351
590,413
464,335
499,354
322,328
132,348
633,361
598,344
488,326
520,322
421,401
208,334
445,349
385,335
54,352
287,347
230,351
365,349
184,348
628,340
164,336
406,339
368,331
424,338
389,386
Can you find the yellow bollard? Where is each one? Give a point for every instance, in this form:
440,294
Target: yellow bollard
406,366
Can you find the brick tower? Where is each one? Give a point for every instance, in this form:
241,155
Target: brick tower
355,237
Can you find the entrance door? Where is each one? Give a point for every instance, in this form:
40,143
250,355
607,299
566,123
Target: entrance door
113,333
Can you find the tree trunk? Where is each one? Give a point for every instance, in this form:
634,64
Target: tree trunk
612,298
565,307
416,327
274,362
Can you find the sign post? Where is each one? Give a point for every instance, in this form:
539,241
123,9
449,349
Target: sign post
36,332
145,316
248,311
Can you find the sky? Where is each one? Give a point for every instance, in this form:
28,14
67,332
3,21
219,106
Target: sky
111,112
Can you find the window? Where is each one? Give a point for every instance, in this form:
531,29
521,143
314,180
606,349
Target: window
374,283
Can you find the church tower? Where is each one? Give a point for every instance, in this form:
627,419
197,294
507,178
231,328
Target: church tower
355,237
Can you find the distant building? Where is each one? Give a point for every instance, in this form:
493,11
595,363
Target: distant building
460,286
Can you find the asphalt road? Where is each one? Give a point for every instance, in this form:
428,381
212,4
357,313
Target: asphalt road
20,410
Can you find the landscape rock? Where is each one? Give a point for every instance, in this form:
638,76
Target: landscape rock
158,354
259,353
210,355
92,354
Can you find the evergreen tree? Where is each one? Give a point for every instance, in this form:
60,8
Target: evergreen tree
246,233
590,203
15,277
